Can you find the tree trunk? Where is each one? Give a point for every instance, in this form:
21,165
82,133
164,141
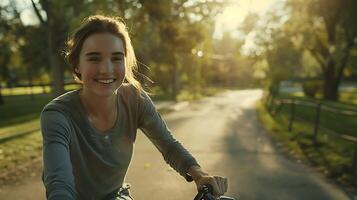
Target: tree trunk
175,81
43,86
1,98
57,73
29,76
331,82
274,88
331,90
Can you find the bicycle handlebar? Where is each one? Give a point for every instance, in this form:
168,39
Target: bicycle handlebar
206,193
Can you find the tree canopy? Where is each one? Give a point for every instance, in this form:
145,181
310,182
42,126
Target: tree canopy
175,47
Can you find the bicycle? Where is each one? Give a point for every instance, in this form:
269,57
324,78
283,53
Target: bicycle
206,193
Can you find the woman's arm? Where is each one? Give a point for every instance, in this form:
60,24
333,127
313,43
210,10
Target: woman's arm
154,127
174,153
57,173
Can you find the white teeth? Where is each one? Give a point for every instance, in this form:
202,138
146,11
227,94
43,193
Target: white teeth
106,81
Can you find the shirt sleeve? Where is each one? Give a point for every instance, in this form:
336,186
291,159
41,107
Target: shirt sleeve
57,173
155,128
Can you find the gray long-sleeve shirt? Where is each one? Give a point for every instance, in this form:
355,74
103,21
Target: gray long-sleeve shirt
81,162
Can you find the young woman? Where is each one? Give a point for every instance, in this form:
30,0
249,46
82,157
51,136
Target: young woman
88,134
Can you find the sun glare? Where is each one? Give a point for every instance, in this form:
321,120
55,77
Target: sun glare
234,14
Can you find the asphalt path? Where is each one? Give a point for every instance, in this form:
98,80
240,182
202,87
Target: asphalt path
225,136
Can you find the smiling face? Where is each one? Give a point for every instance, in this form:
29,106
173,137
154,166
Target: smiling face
101,64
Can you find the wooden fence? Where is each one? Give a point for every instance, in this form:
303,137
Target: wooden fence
275,104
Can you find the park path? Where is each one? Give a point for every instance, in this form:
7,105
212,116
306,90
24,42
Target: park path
225,136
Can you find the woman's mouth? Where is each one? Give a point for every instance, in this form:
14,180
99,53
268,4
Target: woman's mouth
105,81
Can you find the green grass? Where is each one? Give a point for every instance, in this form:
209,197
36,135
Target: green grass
349,96
286,140
20,113
34,90
32,125
336,122
332,156
25,90
18,152
346,97
20,109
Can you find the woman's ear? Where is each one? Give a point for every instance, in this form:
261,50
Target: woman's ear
77,70
77,75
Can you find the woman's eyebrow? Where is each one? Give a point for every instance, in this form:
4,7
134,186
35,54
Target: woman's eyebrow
92,54
97,53
118,53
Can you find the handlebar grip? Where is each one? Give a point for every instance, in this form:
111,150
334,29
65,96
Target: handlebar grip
203,192
206,193
207,188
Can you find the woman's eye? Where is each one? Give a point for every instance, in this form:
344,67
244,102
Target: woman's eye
93,59
117,59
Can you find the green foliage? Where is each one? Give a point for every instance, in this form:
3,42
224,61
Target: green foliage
275,46
172,40
10,29
311,88
305,38
327,29
184,27
229,66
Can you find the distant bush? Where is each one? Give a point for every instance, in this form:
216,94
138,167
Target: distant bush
311,88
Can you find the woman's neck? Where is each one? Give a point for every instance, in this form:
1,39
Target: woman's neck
98,106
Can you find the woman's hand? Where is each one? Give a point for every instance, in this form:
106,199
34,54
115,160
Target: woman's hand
219,184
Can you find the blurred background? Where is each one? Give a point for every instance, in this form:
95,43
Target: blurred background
190,45
293,50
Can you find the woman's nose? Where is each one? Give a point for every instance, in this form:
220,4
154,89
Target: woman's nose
106,66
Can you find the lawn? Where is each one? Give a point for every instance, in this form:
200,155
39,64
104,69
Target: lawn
22,107
349,96
335,121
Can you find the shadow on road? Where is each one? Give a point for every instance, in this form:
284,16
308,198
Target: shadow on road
257,171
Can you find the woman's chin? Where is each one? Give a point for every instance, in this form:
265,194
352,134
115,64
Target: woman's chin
105,91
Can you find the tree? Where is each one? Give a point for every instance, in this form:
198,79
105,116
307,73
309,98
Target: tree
283,59
275,47
182,25
5,51
328,30
34,58
56,23
230,67
10,28
164,34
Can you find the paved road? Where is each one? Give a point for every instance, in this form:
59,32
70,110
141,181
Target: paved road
225,136
223,133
